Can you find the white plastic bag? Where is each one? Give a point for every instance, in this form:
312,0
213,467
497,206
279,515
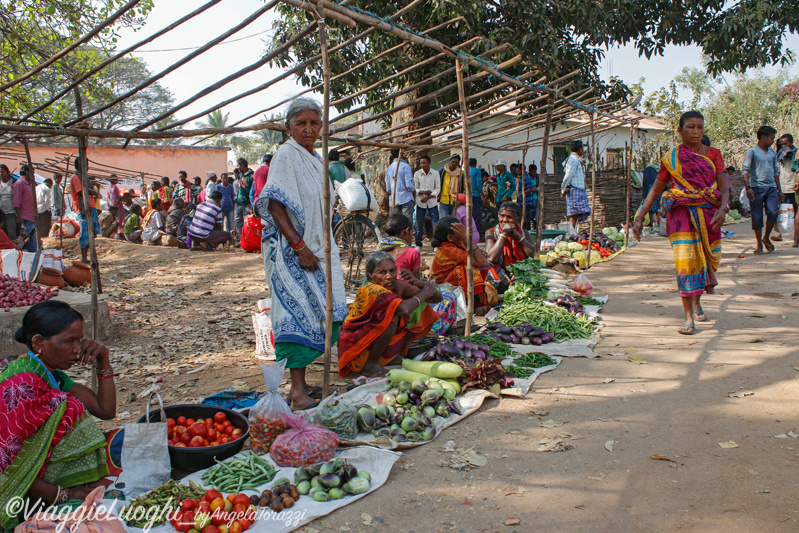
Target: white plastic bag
262,325
356,195
785,219
145,455
744,200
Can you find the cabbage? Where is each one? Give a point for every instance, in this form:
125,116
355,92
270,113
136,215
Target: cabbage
576,247
552,256
609,231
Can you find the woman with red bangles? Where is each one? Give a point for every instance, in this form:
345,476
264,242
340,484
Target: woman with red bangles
291,205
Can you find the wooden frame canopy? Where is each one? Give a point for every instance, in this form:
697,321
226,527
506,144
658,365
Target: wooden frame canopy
536,104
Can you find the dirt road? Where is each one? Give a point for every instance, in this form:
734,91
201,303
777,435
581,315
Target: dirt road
175,310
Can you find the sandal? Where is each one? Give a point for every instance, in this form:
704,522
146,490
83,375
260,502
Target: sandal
758,251
699,315
769,246
686,328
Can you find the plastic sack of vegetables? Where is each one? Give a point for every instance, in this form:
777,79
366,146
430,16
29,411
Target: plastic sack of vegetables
269,418
303,444
338,416
582,285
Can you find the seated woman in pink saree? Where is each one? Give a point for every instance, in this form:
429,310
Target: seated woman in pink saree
696,203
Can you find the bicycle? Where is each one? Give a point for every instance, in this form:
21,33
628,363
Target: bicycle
357,236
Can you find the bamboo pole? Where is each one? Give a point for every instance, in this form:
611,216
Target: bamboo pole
524,198
467,178
64,179
629,186
594,156
542,178
32,184
322,28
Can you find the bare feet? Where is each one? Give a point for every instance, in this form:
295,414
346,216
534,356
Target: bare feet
302,402
373,370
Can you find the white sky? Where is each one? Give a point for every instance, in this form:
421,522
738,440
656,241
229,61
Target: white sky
247,46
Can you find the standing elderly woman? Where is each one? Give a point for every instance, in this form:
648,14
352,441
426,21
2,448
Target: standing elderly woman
291,205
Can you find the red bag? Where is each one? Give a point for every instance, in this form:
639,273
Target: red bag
303,444
251,234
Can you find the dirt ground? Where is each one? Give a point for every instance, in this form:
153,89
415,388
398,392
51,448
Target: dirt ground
646,435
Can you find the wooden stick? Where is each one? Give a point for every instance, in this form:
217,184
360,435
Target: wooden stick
63,207
174,66
629,183
542,178
24,142
467,178
594,155
72,46
322,27
524,197
115,57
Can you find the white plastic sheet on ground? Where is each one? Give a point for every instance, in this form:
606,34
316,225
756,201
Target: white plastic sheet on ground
469,402
374,460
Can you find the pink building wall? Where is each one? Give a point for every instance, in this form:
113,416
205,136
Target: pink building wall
155,160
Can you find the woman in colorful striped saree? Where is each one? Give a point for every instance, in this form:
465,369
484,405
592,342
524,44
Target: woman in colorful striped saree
51,449
696,202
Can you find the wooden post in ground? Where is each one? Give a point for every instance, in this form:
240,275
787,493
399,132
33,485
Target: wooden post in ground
593,190
322,28
63,206
459,68
629,186
393,198
35,236
524,198
542,178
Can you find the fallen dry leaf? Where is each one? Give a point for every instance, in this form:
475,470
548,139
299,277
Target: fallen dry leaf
512,522
728,444
608,380
609,445
549,424
366,519
637,360
741,394
631,349
657,457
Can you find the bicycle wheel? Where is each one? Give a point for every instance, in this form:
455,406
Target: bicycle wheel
357,237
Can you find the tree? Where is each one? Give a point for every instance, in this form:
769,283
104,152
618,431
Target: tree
33,30
553,37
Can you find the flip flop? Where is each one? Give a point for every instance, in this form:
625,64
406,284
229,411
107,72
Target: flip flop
686,328
769,246
699,315
315,404
758,251
315,393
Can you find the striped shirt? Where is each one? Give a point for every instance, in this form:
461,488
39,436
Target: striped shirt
573,173
206,217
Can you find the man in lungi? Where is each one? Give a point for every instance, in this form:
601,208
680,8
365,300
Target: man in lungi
573,186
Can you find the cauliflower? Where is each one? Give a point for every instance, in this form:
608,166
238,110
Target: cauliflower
576,247
595,257
581,258
562,245
552,256
565,253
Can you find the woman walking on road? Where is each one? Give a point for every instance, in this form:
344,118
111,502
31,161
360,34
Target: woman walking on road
696,203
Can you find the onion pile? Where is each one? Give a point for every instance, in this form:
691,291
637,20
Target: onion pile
17,293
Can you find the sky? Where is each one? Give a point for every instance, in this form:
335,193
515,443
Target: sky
247,46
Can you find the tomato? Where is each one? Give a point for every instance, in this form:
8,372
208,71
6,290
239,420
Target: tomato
211,434
229,430
185,438
211,529
170,422
188,505
219,427
229,504
230,497
214,443
204,507
245,524
186,522
240,508
227,423
220,517
180,430
196,442
207,421
224,440
217,503
220,417
242,499
190,421
171,442
198,429
223,528
180,445
181,421
235,527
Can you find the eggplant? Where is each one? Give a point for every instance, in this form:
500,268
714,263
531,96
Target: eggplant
547,337
453,406
536,332
505,338
484,348
526,340
450,351
429,355
537,341
479,354
518,331
494,325
505,330
459,344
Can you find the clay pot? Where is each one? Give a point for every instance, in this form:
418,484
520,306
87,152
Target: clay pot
50,277
78,274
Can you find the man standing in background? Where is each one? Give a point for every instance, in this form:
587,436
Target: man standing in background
786,157
427,183
75,191
44,206
59,206
476,176
260,177
243,189
451,186
337,171
573,186
7,202
401,200
506,183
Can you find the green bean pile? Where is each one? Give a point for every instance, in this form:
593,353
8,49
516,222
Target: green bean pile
588,301
496,349
239,473
169,494
524,366
551,318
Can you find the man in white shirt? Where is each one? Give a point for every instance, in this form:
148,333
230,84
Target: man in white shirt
428,184
44,205
401,197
